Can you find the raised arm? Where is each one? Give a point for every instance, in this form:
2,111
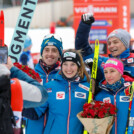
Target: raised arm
82,34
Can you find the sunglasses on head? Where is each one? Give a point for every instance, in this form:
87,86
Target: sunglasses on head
53,35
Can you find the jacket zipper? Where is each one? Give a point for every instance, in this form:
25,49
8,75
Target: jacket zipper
68,119
47,78
116,114
47,74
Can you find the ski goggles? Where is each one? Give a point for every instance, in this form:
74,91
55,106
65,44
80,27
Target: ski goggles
53,35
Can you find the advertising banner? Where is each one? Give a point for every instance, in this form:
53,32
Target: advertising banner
109,15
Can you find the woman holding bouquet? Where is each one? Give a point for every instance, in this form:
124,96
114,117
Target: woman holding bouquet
67,94
116,90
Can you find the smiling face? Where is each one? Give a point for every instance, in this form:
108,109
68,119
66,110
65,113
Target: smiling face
115,46
50,55
69,69
112,75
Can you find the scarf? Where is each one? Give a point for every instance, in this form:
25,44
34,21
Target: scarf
116,86
49,68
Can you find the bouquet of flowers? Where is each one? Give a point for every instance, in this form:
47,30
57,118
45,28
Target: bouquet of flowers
28,71
97,117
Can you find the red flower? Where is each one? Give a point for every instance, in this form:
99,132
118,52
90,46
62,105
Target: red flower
28,71
91,112
98,109
112,110
101,114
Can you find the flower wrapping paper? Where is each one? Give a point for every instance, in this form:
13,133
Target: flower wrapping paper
97,126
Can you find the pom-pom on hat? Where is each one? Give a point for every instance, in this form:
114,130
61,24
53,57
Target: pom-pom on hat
28,42
117,64
122,35
52,40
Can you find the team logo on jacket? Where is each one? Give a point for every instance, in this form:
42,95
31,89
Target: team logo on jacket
41,82
107,100
130,60
127,84
80,95
12,81
60,95
16,119
102,64
49,90
124,98
84,87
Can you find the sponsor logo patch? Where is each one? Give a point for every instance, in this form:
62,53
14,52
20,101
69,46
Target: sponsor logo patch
102,64
60,95
84,87
80,95
112,62
130,60
88,60
41,82
16,119
107,100
70,54
124,98
126,84
51,43
12,81
131,121
77,79
49,90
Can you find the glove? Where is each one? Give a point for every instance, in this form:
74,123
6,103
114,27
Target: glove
87,18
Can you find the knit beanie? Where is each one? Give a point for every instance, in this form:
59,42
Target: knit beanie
117,64
52,40
122,35
70,56
28,42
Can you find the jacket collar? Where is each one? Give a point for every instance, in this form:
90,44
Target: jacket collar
41,70
59,77
125,54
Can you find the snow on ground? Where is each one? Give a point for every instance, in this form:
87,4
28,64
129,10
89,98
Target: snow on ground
67,35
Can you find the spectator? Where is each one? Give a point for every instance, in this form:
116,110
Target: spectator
26,58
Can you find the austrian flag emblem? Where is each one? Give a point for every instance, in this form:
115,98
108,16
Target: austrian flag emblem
60,95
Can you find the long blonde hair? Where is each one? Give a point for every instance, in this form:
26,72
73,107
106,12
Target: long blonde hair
81,70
